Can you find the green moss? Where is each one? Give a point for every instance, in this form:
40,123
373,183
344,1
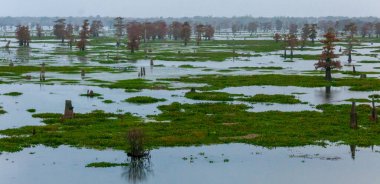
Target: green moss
188,66
282,99
108,101
13,94
211,96
106,164
136,84
216,82
144,100
31,110
94,95
258,68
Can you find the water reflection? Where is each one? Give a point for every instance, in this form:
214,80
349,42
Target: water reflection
23,54
138,171
353,151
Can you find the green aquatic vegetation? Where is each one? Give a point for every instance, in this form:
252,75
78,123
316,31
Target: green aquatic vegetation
306,57
216,82
258,68
188,66
144,100
31,110
2,111
106,164
211,96
13,94
19,70
108,101
281,99
93,95
199,124
369,62
136,84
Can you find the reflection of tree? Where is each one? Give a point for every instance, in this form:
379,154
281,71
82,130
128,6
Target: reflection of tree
138,170
23,54
353,151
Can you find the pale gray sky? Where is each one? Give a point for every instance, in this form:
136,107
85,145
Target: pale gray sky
180,8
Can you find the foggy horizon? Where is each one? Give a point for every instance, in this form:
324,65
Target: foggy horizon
187,8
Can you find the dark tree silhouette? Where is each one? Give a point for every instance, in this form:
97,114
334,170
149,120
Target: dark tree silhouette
186,33
83,35
59,29
119,29
134,31
23,35
326,60
96,27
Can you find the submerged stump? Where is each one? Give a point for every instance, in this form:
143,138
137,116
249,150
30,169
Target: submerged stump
353,117
69,110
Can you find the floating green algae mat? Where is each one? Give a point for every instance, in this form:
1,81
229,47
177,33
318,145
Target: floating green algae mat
144,100
106,164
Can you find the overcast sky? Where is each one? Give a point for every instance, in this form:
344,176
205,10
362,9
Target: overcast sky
180,8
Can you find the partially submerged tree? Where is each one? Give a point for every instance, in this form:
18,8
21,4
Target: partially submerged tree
59,29
96,27
83,35
292,43
136,139
277,37
252,27
176,30
209,32
377,29
39,30
186,33
313,32
69,34
23,35
134,30
351,30
293,29
199,30
306,31
119,29
327,60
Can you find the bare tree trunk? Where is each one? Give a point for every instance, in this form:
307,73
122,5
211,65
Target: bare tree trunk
354,117
328,76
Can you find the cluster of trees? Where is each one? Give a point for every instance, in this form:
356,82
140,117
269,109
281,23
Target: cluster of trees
23,35
137,32
65,31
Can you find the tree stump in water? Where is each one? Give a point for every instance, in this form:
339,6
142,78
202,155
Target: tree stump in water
353,69
374,111
151,62
363,76
192,90
82,73
354,117
7,45
69,110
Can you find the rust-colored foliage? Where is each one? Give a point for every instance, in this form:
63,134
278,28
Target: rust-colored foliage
175,30
23,35
293,29
326,60
186,32
96,27
83,35
135,32
277,37
59,29
209,32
